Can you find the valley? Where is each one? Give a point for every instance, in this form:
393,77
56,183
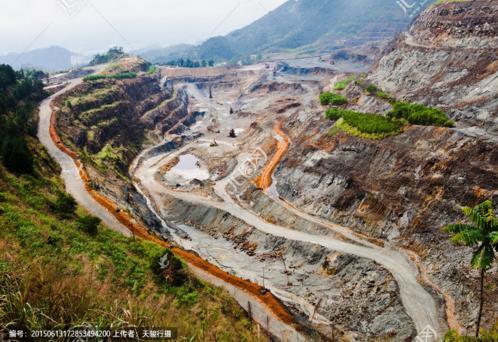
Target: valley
314,193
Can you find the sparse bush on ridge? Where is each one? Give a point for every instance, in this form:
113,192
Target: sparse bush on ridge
342,84
111,55
118,76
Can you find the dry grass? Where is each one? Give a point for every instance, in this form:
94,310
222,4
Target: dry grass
41,295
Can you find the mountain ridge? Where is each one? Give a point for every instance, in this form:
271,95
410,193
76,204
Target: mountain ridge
304,26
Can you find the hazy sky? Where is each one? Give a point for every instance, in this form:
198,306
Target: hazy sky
85,26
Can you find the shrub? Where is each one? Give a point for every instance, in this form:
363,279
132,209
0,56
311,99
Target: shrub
371,123
372,89
418,114
118,76
187,296
89,224
334,113
16,156
342,84
65,204
152,69
327,98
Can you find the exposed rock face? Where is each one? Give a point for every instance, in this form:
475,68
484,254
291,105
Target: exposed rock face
170,117
405,188
448,59
467,24
338,285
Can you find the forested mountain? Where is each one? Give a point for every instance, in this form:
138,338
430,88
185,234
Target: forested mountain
304,25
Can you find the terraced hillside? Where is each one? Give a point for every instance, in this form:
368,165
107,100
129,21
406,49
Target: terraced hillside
109,120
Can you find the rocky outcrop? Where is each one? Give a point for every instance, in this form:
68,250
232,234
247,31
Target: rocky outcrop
448,59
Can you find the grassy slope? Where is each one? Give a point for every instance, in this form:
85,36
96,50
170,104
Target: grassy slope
52,274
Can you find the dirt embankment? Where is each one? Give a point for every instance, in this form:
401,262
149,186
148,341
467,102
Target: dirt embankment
264,180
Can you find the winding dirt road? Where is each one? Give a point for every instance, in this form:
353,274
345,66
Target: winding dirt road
70,170
264,307
418,303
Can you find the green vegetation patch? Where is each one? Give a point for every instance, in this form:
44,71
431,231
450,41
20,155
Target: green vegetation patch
342,84
368,126
99,95
117,76
418,114
111,55
328,98
188,63
110,154
152,69
374,126
93,116
371,123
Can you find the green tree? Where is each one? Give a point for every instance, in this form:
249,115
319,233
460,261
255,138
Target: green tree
16,156
7,76
481,234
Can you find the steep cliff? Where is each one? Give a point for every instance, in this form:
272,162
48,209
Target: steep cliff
448,59
405,188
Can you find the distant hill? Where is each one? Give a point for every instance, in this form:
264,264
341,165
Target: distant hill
167,54
307,26
48,59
